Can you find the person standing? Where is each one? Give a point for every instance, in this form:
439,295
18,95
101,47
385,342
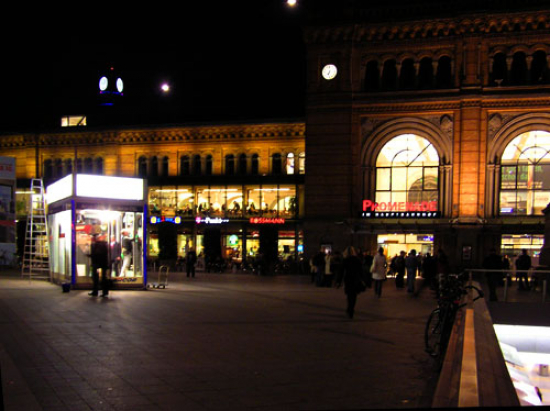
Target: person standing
411,265
327,277
190,261
492,262
400,270
378,270
319,263
126,255
115,251
523,264
352,279
367,264
99,254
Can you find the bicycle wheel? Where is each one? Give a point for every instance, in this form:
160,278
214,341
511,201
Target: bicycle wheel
432,333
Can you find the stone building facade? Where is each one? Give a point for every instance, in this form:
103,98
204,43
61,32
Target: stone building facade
434,133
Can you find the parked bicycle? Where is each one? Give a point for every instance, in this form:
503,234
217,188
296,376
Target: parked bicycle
440,321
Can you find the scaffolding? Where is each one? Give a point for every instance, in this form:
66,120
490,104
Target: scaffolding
36,260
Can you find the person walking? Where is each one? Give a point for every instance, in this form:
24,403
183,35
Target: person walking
523,264
99,255
411,265
379,266
352,279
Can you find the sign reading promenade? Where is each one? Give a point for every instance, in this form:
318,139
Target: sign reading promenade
400,209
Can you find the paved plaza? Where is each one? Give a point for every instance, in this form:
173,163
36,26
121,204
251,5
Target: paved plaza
215,342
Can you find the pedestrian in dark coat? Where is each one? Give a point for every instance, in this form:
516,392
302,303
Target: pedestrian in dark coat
99,254
352,274
523,263
492,262
190,261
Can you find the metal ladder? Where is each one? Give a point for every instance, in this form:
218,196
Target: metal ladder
36,260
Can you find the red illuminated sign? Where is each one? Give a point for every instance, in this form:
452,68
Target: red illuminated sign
262,220
400,209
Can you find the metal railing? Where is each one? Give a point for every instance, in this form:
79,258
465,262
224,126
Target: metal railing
535,277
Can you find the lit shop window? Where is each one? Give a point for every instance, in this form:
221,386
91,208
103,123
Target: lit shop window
525,174
290,163
73,121
407,170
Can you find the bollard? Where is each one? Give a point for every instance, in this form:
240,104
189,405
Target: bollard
544,290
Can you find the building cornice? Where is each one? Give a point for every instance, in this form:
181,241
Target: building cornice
462,25
158,135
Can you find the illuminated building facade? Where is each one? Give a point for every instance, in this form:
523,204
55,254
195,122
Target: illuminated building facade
237,185
428,127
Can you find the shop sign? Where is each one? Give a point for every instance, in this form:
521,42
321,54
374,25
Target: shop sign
262,220
400,209
156,219
208,220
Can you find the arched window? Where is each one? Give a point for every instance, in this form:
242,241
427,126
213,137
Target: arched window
407,78
68,166
389,75
154,167
165,166
407,171
444,77
88,165
98,165
425,73
276,164
372,76
242,167
208,165
230,164
500,70
525,174
518,72
197,165
290,163
302,163
539,68
255,164
58,168
185,166
142,167
48,170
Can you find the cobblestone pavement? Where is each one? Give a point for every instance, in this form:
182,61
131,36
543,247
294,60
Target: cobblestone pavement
215,342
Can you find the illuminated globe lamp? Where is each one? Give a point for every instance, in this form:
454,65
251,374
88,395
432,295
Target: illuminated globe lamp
110,87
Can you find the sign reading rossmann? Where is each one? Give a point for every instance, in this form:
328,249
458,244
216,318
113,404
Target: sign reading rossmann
400,209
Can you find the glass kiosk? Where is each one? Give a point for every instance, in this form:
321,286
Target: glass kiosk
82,206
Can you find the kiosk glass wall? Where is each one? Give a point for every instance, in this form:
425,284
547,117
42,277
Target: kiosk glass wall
80,214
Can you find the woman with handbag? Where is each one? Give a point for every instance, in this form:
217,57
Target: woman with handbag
379,271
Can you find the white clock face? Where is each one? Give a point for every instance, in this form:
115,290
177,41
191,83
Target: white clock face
119,85
329,72
103,83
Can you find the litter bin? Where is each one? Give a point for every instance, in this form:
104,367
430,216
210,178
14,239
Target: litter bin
66,287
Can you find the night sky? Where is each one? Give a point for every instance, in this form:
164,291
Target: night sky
225,61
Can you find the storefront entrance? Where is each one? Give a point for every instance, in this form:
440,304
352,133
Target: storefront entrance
393,244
